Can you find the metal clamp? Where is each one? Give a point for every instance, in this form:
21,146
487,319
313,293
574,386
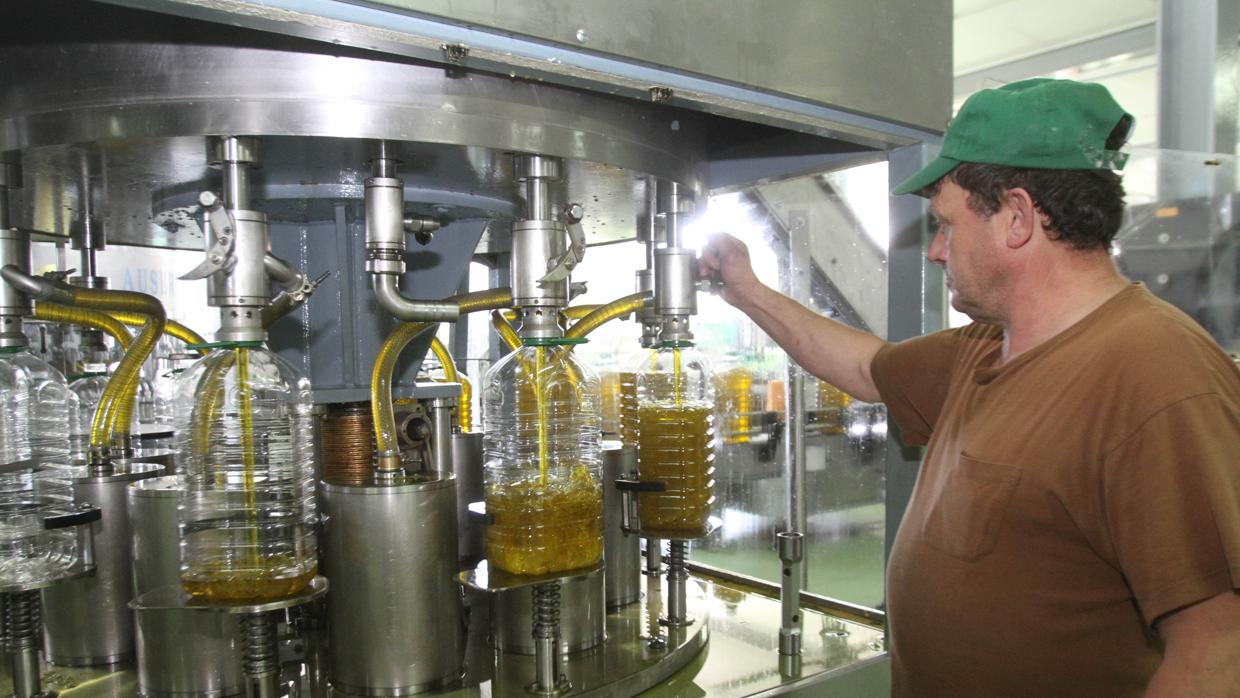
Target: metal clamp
629,523
220,256
570,216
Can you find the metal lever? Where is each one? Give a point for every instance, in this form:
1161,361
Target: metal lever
570,216
220,256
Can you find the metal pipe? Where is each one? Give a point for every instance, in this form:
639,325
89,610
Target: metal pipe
794,449
791,553
21,610
237,186
654,557
35,286
388,295
546,603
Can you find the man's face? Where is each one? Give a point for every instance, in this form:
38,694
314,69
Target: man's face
966,245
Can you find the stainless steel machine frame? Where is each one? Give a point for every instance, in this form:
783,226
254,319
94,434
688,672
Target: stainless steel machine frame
152,120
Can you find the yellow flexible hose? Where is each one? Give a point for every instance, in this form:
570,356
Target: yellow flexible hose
510,337
171,327
55,312
464,413
615,309
385,363
115,410
576,312
445,360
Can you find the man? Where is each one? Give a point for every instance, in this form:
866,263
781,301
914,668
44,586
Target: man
1075,527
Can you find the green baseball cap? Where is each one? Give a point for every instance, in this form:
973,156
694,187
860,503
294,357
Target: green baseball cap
1038,123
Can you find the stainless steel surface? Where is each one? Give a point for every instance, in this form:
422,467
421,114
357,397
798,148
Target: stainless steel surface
86,621
443,417
153,101
582,616
385,214
395,618
741,659
21,613
172,597
482,578
909,40
387,292
791,548
675,282
621,550
467,464
245,284
534,244
654,558
180,652
15,250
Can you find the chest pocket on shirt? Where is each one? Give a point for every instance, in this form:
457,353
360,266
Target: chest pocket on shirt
966,520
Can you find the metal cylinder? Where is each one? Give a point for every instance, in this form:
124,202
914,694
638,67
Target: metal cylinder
582,626
86,621
395,618
385,213
246,283
166,457
675,291
791,553
537,172
15,250
441,442
533,244
621,550
181,653
467,464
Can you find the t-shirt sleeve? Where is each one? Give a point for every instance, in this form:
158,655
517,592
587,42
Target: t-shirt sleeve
1171,495
912,378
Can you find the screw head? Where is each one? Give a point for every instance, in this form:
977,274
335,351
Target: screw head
208,199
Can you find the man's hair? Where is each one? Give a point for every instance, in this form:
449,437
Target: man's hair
1083,208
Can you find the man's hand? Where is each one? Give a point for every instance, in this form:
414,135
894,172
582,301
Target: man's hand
726,260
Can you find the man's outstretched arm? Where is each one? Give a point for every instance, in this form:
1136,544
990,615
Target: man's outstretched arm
830,350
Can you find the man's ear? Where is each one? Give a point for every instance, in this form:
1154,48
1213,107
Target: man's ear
1019,217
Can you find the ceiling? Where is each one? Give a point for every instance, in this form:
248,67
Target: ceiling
1106,41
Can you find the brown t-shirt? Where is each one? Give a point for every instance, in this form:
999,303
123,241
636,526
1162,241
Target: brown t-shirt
1067,501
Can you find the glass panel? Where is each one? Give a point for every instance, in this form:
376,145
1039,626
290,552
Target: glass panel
1179,236
846,440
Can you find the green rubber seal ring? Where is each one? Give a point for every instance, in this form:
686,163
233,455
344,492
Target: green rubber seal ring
676,344
224,345
552,341
12,350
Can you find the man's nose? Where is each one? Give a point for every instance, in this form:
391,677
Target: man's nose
937,252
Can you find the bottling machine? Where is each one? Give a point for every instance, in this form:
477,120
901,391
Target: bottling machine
330,522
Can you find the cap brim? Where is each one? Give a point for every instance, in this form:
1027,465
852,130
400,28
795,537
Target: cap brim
926,176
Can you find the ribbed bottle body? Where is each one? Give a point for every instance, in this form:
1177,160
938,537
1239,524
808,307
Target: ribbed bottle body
734,403
29,553
38,407
169,371
245,441
676,439
542,446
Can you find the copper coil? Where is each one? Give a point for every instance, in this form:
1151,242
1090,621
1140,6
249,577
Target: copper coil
347,443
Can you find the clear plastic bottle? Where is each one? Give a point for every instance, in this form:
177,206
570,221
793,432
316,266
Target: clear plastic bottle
245,441
627,404
833,405
170,369
36,406
29,553
676,406
543,461
734,400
